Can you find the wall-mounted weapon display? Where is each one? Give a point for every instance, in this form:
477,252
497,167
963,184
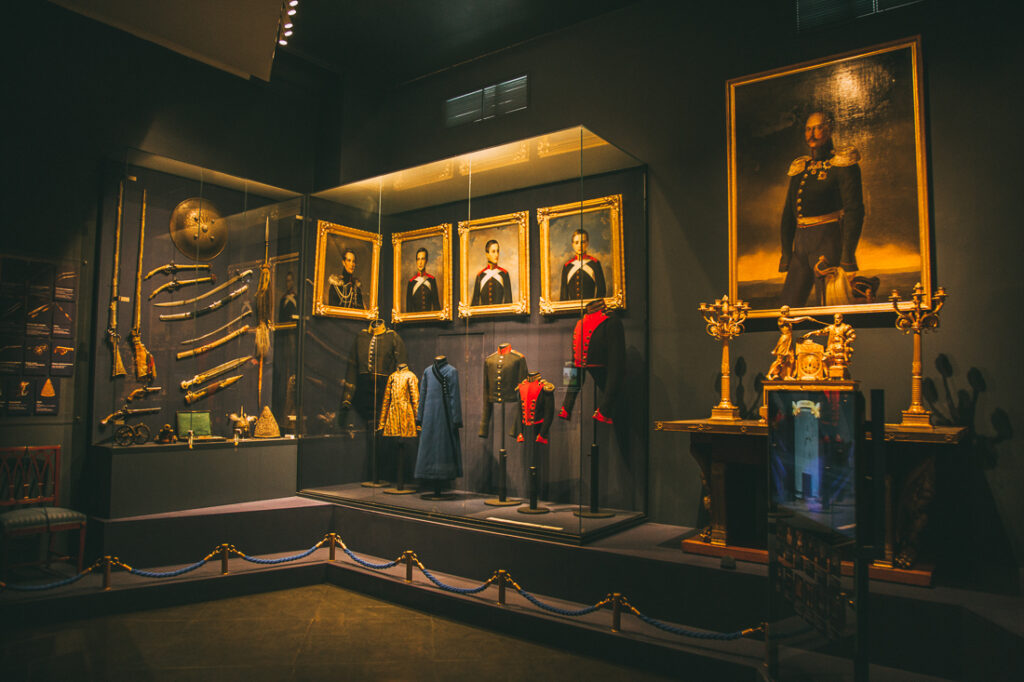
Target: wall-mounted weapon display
171,304
131,434
197,229
246,311
142,392
191,314
193,396
176,284
213,344
215,372
126,412
145,365
113,338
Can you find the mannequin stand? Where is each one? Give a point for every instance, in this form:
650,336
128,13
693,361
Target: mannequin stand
374,481
533,508
437,495
400,488
503,500
595,511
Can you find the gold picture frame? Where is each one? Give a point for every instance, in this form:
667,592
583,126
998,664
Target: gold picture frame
854,120
336,294
437,241
286,303
474,235
601,219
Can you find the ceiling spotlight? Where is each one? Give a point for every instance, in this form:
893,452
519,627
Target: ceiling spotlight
282,41
288,25
293,3
287,34
291,12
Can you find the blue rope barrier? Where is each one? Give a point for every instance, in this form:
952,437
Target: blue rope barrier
168,574
48,586
294,557
695,634
554,609
451,588
369,564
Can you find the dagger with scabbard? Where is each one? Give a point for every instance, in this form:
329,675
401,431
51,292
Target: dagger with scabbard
213,344
225,285
223,368
193,396
189,314
176,284
171,268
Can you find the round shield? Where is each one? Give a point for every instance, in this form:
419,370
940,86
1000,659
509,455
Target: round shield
197,230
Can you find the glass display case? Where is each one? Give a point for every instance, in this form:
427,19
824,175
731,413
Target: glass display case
197,305
474,337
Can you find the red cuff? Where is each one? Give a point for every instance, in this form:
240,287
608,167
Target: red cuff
563,414
519,438
542,439
601,418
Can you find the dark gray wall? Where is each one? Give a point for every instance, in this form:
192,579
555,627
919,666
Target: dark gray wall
651,79
78,94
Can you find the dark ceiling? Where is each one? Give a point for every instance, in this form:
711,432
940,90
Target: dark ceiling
388,42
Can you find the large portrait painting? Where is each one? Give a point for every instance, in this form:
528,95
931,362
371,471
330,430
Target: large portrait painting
581,255
494,265
347,265
423,266
828,206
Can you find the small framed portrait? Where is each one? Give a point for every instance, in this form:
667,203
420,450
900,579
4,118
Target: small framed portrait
423,266
581,255
494,265
284,276
828,195
347,268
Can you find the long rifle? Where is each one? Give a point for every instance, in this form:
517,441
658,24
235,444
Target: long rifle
145,366
116,364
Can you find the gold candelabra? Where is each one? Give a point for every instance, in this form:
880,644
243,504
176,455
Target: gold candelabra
917,320
724,322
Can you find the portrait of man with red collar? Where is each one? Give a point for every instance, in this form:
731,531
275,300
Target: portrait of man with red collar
421,293
492,286
582,276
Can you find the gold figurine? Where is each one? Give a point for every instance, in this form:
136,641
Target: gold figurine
784,365
916,321
725,321
839,348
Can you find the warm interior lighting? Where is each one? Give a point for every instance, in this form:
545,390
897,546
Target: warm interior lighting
291,12
293,3
282,41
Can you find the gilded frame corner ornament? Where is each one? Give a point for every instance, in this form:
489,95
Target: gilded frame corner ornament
616,298
325,231
883,123
444,231
521,303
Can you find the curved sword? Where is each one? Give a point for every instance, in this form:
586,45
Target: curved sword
190,314
170,304
246,311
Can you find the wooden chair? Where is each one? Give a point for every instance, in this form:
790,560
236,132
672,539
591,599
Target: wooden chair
29,487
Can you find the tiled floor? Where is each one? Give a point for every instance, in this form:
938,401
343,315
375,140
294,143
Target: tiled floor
320,632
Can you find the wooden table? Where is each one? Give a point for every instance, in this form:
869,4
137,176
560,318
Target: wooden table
725,450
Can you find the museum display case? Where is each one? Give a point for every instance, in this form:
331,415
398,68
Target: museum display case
438,371
196,352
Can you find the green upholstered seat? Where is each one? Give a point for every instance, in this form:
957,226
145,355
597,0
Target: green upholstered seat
38,517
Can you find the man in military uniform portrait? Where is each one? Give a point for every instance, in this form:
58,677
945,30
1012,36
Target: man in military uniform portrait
492,286
582,276
421,290
288,306
822,217
344,290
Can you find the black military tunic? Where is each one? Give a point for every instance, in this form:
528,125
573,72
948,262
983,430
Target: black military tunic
503,370
582,278
421,294
823,216
344,291
376,354
493,286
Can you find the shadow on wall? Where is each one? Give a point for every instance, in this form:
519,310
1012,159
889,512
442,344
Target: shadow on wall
978,553
748,410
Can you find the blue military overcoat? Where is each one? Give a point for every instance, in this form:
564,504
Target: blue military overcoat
439,455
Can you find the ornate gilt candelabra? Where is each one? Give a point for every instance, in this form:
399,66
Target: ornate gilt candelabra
916,321
725,321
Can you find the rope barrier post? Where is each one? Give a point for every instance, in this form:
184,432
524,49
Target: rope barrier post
332,536
502,576
616,611
106,573
224,559
408,565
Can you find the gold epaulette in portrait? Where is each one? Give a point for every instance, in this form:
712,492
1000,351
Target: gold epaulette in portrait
846,156
798,166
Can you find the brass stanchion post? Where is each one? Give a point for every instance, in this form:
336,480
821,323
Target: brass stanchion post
223,559
332,536
501,586
106,573
408,566
616,611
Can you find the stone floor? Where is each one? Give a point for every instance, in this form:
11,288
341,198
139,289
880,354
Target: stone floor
307,633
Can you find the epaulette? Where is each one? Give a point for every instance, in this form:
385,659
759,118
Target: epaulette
847,156
798,166
548,386
513,350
